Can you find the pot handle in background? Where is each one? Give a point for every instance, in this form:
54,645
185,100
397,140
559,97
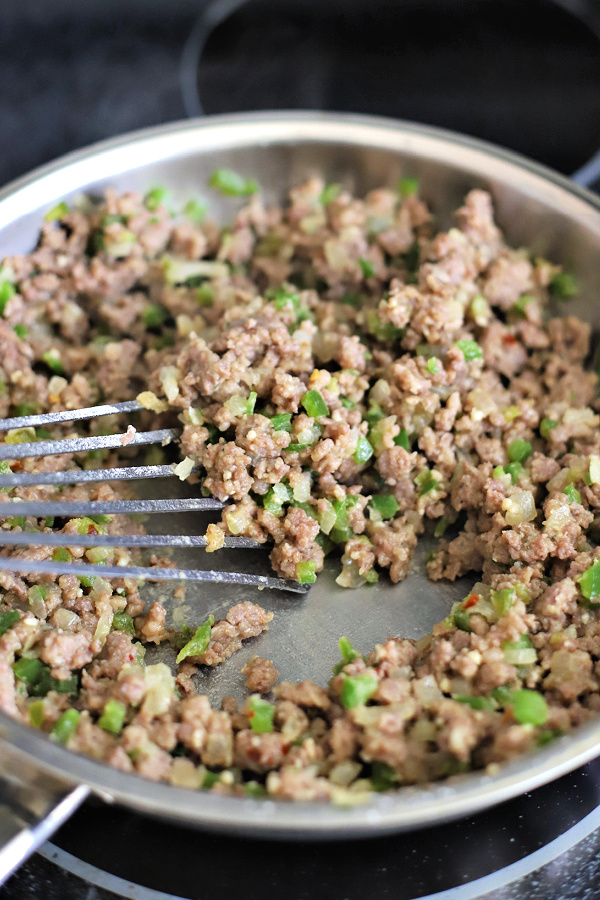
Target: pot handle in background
33,805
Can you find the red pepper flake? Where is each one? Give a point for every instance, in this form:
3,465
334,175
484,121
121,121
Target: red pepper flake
471,600
509,339
92,529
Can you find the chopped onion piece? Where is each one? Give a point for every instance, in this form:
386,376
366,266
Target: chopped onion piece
169,379
150,401
184,468
520,507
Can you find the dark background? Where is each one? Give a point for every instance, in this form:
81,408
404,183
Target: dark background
522,73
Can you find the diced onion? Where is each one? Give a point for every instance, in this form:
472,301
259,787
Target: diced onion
350,576
169,379
150,401
380,391
238,519
160,689
301,487
65,619
184,468
103,626
520,507
426,691
326,515
595,469
520,656
344,773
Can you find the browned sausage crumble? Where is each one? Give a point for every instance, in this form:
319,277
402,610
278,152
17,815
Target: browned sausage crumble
347,379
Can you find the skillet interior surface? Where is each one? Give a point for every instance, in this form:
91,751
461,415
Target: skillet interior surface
537,209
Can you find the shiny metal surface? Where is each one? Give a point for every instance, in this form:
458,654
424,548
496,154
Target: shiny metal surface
535,207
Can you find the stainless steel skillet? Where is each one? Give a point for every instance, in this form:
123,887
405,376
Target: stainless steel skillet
40,782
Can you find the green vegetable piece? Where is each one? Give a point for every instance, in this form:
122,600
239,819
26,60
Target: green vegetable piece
21,331
195,211
276,496
364,450
261,715
521,303
199,642
498,472
113,717
546,426
66,726
347,404
305,572
282,422
367,267
123,622
374,414
383,777
515,470
529,707
155,197
408,187
37,713
433,366
205,295
232,184
572,493
87,580
45,683
545,737
563,286
7,292
383,331
503,695
502,600
296,448
5,468
329,193
342,530
519,450
7,620
61,554
314,404
470,350
27,409
210,779
402,439
57,212
29,671
523,643
20,436
480,703
589,582
349,654
53,361
440,527
385,504
255,789
461,619
17,521
352,299
113,219
154,315
426,482
357,690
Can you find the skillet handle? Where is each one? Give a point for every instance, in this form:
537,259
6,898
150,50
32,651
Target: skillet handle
33,805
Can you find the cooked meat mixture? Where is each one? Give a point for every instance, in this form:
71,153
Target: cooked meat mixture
347,379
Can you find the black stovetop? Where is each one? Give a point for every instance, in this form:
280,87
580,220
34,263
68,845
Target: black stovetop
526,75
